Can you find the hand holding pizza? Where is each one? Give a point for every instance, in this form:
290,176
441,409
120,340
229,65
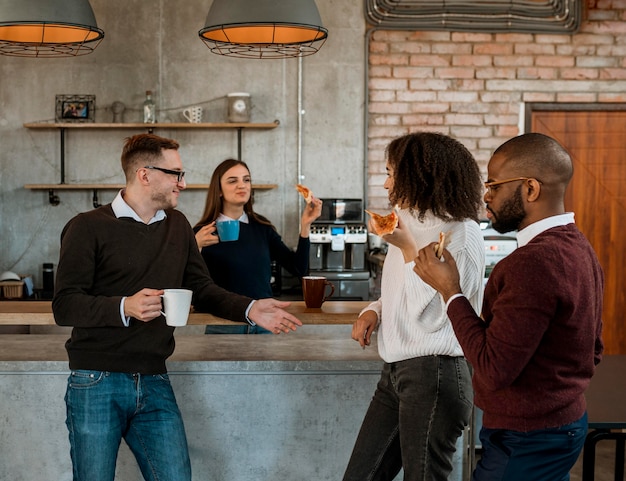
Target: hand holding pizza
383,224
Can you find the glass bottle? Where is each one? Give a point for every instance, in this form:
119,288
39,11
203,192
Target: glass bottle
149,109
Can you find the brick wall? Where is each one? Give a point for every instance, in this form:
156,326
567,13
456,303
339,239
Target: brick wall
473,86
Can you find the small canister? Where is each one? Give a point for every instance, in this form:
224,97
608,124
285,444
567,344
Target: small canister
238,107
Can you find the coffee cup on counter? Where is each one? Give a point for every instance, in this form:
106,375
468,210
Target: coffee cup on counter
176,305
314,290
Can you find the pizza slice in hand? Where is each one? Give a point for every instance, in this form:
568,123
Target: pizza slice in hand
384,224
444,240
305,192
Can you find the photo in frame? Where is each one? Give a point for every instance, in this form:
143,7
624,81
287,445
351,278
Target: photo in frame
75,108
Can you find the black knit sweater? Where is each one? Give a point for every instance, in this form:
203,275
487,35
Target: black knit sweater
104,258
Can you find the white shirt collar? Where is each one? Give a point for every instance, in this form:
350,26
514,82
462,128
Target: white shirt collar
122,209
528,233
243,218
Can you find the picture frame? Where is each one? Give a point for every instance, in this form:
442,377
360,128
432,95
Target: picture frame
75,108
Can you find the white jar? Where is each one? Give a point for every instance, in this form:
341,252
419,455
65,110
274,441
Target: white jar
238,107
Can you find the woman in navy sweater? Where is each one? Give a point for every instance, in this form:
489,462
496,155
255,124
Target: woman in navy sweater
244,266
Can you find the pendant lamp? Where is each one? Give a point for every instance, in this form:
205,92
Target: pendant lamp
48,28
263,28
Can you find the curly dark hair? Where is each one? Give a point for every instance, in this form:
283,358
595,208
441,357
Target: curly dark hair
432,171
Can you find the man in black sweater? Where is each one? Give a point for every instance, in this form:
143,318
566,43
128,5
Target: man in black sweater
114,263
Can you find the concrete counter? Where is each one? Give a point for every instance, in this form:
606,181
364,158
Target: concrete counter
256,408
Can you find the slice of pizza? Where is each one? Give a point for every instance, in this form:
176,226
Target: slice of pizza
384,224
444,241
305,192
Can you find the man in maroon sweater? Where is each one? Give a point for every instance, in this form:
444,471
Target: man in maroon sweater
536,345
114,263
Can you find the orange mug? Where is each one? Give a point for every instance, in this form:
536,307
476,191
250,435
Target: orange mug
314,290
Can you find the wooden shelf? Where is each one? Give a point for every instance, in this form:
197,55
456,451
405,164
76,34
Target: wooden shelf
53,199
121,186
138,125
63,126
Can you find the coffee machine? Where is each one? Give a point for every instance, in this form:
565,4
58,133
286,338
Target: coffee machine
339,248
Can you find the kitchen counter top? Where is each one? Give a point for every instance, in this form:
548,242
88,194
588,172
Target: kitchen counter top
334,345
332,312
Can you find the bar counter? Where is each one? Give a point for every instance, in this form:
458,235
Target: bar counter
256,407
331,312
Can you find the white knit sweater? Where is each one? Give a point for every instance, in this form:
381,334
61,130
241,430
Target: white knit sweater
412,315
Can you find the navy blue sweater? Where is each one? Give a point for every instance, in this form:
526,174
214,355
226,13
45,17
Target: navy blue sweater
244,266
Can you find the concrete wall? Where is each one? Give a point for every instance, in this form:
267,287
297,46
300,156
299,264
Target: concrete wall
155,45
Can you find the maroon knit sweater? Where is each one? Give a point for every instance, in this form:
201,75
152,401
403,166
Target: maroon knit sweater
536,350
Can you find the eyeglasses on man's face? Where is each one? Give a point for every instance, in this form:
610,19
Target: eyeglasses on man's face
178,173
492,187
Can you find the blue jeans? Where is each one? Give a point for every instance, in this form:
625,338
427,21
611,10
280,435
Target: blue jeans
418,411
104,407
541,455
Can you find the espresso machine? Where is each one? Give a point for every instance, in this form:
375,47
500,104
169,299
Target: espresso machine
339,248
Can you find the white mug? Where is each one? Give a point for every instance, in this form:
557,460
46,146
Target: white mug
193,114
176,304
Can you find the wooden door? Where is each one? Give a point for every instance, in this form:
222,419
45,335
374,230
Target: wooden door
596,140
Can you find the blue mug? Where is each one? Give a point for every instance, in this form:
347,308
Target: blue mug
228,230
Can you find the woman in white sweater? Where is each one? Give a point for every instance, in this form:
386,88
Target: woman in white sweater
424,397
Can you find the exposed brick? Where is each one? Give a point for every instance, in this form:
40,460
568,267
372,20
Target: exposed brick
534,49
388,84
389,60
473,85
507,131
613,73
430,60
413,72
500,96
540,38
389,107
464,119
513,37
472,60
409,47
537,73
621,98
382,95
423,119
539,96
579,73
451,48
462,37
492,49
471,132
454,72
385,119
570,97
430,84
380,71
513,61
596,61
457,96
488,73
416,96
554,61
434,107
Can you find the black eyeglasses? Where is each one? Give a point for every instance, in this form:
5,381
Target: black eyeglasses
178,173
